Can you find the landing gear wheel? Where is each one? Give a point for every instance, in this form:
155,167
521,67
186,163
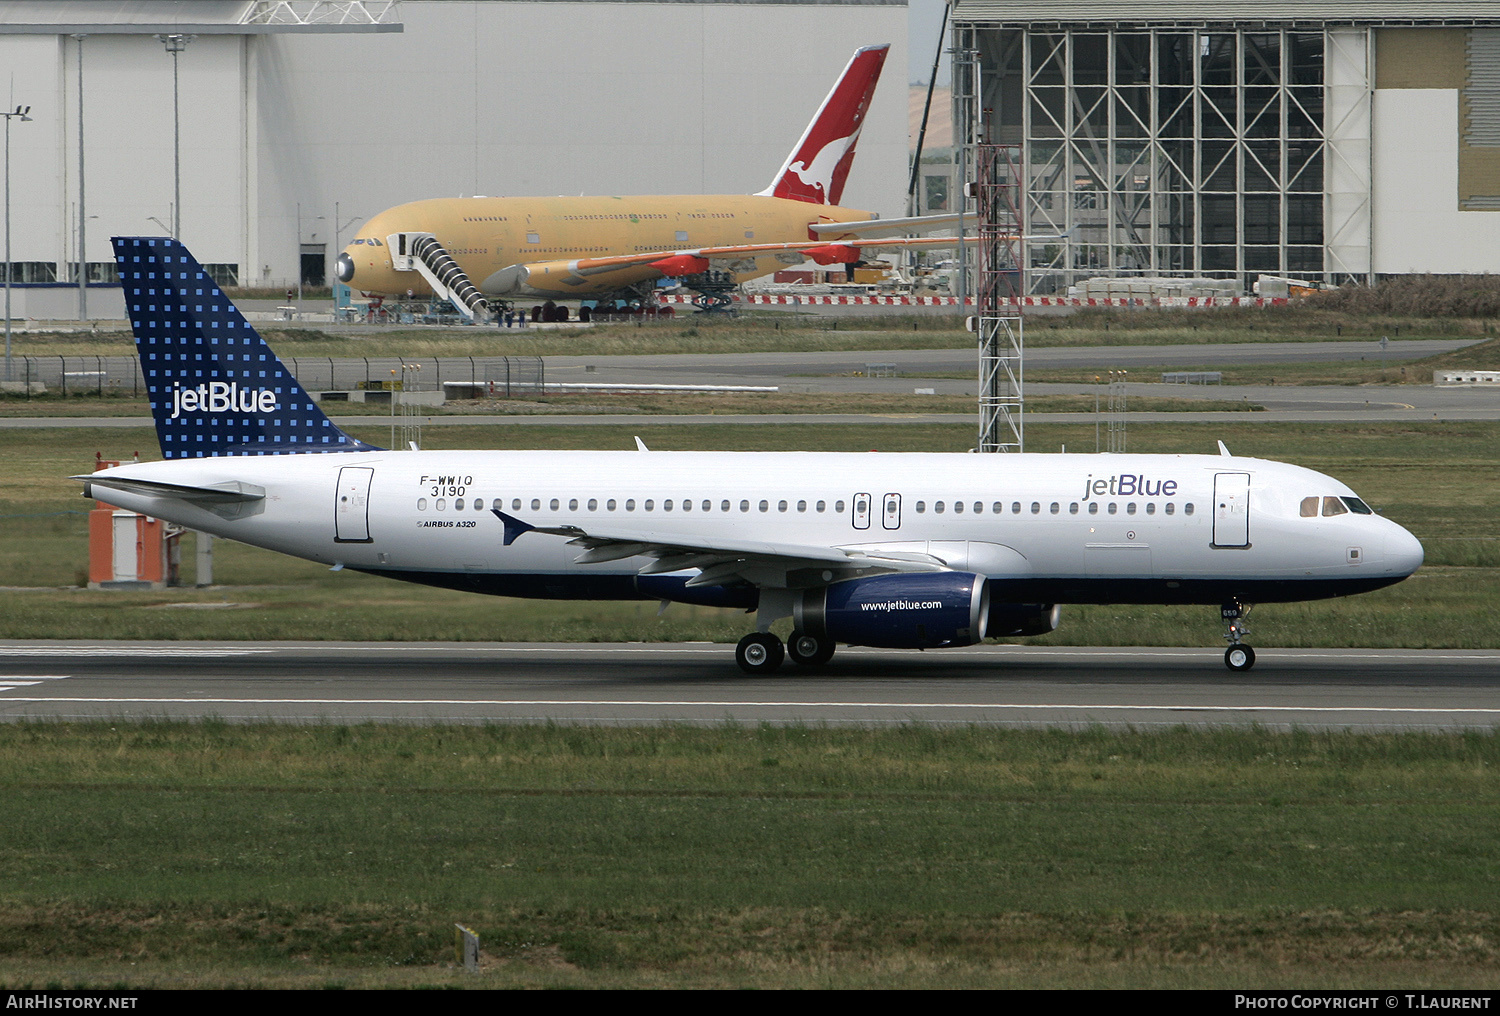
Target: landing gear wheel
809,650
1239,658
759,652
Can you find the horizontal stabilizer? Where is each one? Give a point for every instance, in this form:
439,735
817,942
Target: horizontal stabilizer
229,492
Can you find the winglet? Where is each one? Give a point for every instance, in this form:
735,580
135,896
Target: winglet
1224,450
640,445
514,527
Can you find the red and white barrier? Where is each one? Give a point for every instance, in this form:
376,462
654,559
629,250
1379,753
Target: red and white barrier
791,300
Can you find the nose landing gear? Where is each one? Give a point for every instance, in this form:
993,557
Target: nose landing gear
1238,657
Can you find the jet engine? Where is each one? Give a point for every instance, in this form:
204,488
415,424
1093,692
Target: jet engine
900,611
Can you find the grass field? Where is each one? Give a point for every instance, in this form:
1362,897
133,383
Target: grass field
212,855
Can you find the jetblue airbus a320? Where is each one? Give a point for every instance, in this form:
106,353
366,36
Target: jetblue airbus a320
908,551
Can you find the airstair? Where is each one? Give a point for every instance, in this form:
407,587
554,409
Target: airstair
423,254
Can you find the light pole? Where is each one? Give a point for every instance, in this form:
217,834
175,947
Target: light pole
83,267
176,44
10,270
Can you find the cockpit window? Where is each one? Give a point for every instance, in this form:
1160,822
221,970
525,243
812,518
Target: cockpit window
1357,506
1333,506
1309,507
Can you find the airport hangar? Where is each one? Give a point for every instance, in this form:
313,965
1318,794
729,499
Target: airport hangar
293,112
1318,140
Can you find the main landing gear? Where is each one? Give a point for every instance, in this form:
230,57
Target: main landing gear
1238,657
762,652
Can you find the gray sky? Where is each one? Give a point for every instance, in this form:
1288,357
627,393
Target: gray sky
924,19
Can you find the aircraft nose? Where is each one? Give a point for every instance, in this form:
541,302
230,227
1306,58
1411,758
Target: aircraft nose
1403,552
345,268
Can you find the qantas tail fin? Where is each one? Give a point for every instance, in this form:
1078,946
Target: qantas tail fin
215,386
817,168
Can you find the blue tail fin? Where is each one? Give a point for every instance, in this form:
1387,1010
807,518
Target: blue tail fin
215,386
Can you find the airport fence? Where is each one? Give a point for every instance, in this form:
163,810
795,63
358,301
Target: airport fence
500,376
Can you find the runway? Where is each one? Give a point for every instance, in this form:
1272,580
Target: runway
1021,686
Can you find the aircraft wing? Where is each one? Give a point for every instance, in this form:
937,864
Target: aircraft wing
736,258
721,561
892,227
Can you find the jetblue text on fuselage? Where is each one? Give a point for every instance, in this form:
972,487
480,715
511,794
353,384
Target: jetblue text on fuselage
222,397
1127,484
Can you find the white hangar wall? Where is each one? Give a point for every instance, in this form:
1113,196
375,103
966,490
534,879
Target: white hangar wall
517,97
561,98
127,145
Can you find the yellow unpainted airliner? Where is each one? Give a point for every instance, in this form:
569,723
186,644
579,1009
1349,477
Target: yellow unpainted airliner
478,250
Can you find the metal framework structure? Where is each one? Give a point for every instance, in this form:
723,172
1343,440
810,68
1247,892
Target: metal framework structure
1193,150
308,13
1001,286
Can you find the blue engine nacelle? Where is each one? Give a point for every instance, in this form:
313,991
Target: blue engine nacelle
925,610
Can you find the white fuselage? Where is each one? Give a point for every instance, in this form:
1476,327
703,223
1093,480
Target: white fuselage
1054,528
